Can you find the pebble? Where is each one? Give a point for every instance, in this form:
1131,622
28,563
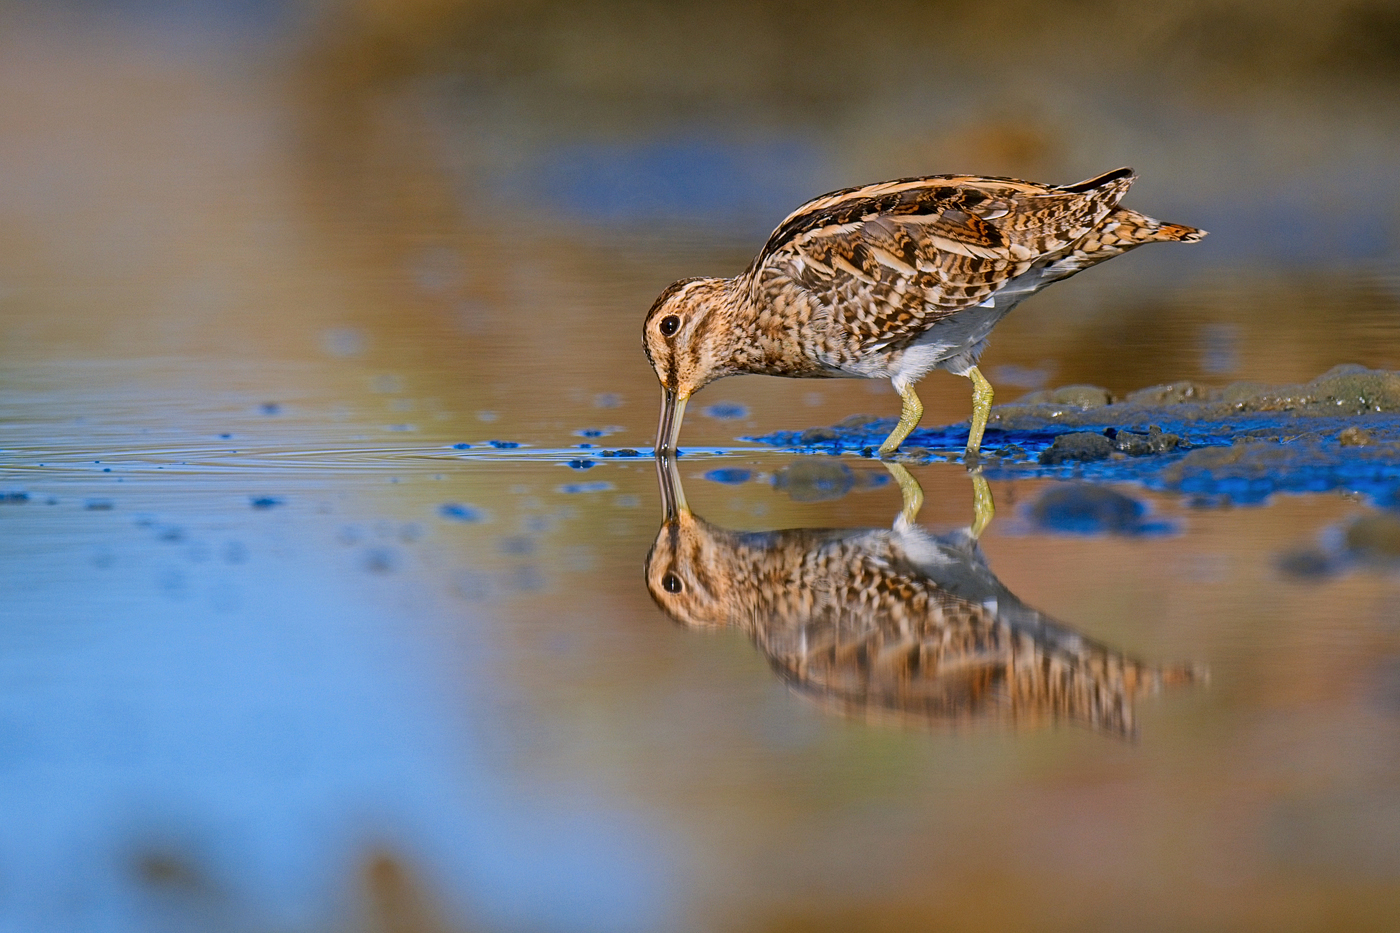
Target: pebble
1082,446
1354,437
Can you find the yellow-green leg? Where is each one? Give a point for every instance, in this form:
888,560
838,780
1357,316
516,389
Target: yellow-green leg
981,410
910,491
982,505
908,420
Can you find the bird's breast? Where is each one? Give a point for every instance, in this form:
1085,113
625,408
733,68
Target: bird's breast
784,336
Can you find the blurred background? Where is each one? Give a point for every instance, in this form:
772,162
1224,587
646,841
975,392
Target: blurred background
275,656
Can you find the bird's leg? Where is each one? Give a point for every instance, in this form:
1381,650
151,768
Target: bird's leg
982,505
981,410
909,490
908,419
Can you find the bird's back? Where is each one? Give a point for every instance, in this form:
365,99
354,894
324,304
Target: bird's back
868,268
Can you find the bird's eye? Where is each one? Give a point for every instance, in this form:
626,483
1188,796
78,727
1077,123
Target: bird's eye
669,325
672,583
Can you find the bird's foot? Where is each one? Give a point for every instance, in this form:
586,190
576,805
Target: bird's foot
911,493
983,508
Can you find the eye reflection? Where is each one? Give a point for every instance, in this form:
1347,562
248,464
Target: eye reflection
897,623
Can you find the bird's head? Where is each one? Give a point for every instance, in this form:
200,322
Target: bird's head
689,339
689,574
691,568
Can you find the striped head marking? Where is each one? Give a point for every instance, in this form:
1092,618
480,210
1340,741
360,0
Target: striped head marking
689,338
685,334
690,572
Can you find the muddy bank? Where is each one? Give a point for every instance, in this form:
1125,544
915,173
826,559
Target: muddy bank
1238,443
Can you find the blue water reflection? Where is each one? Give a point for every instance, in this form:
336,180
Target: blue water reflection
216,726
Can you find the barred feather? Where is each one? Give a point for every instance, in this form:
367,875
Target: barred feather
883,262
870,623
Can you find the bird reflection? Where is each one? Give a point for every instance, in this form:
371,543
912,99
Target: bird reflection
891,623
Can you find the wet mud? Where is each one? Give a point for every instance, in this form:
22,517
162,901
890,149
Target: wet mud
1236,444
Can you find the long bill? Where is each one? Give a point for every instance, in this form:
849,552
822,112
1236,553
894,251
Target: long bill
672,493
672,411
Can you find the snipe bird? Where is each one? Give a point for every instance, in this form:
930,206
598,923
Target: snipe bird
890,281
892,623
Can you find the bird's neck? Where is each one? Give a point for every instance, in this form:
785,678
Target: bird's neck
761,340
728,328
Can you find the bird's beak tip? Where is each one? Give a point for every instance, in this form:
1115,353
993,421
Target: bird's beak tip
672,412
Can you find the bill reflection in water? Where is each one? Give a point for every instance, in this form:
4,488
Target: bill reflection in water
892,623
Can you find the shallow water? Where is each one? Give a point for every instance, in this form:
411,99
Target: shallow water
289,643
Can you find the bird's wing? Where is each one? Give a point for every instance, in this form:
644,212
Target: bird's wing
889,260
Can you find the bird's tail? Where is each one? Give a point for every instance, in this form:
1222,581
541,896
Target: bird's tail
1118,178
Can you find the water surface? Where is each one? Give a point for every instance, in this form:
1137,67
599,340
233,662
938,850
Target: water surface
289,643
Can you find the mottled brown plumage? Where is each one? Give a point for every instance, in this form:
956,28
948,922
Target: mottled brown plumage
892,623
890,281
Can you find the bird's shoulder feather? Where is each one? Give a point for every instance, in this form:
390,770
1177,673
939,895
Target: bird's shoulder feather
888,260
